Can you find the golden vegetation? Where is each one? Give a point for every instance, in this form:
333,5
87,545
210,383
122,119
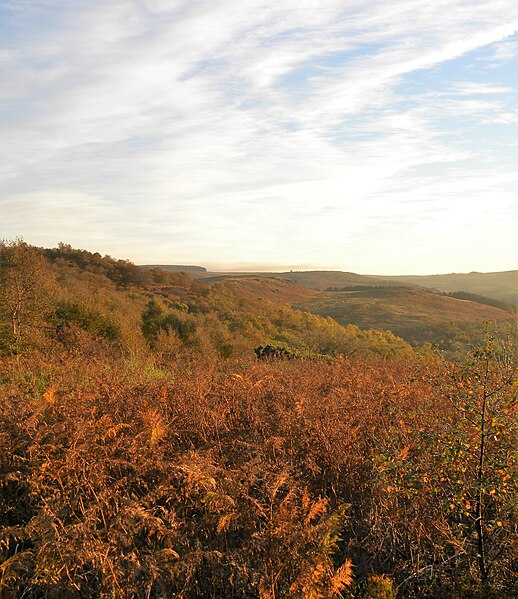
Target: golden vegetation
136,465
449,321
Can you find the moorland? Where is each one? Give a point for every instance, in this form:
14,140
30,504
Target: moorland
146,449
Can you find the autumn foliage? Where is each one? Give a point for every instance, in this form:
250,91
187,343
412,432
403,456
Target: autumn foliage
128,470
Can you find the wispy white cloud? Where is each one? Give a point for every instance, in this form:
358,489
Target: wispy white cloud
255,131
504,52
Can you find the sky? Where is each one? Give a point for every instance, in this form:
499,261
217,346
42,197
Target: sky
360,135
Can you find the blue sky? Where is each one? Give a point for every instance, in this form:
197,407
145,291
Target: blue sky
364,135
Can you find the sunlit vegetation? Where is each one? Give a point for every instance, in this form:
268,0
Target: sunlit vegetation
448,321
496,285
146,450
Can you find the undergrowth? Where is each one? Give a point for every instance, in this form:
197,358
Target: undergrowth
240,479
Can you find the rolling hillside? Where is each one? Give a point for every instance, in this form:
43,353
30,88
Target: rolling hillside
189,269
415,314
502,286
323,279
283,291
499,285
416,308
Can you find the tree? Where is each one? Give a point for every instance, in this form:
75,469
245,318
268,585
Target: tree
152,319
484,391
24,286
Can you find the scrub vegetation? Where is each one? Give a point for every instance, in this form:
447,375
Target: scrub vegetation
451,322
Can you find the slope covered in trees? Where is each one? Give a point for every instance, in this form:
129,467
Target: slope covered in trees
418,314
76,296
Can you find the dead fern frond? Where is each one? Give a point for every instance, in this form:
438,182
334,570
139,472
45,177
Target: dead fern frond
15,567
158,428
317,509
224,523
50,395
113,431
342,578
311,582
277,484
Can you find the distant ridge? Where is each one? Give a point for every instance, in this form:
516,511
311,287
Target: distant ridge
501,286
416,314
176,267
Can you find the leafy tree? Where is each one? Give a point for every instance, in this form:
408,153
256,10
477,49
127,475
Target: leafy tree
96,324
152,321
24,288
461,470
484,392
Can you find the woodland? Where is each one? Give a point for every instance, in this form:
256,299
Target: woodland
163,436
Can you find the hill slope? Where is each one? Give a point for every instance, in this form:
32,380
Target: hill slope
502,286
415,314
89,303
278,290
499,285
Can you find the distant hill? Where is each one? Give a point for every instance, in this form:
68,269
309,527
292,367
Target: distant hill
499,285
448,311
177,268
502,286
323,279
277,290
417,315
